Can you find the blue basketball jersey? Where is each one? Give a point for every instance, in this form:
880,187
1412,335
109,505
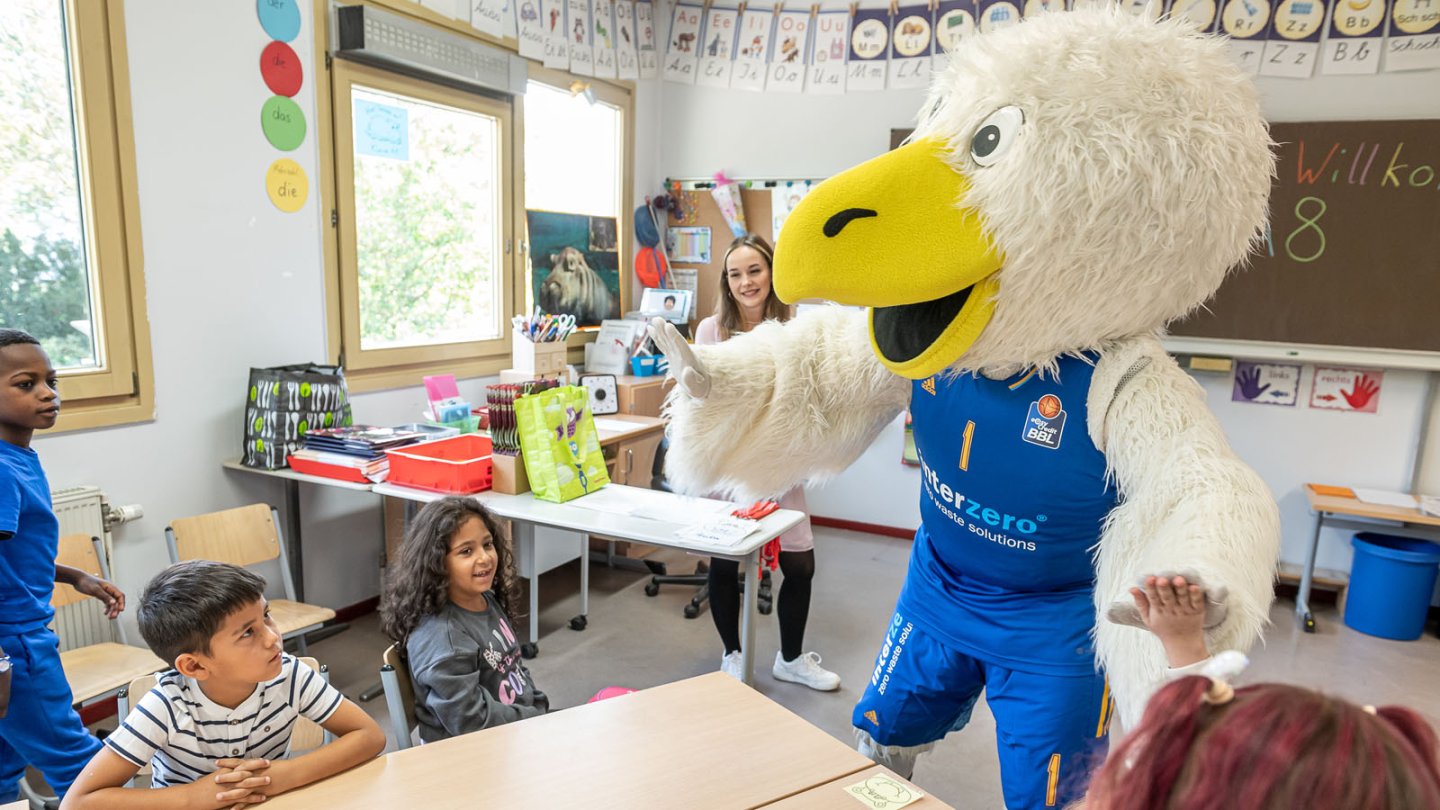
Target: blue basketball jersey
1012,504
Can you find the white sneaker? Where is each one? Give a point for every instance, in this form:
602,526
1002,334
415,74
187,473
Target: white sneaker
730,665
806,670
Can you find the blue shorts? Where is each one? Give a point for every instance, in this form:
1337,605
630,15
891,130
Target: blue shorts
1050,729
42,728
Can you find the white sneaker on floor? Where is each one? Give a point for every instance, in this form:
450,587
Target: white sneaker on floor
730,665
806,670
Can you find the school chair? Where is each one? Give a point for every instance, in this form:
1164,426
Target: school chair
94,670
399,694
307,735
701,577
245,536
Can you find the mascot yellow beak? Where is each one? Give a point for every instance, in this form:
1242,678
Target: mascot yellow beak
889,234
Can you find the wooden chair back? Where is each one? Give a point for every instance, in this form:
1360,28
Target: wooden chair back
242,536
76,551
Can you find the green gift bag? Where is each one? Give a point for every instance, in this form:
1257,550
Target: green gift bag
559,444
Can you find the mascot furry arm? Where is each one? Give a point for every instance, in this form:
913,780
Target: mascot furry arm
1076,181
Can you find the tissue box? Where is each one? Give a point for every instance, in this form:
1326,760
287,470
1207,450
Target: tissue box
537,358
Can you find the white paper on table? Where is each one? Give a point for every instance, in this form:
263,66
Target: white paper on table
1385,497
1430,504
613,425
651,504
719,531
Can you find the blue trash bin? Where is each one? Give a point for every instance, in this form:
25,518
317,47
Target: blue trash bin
1391,582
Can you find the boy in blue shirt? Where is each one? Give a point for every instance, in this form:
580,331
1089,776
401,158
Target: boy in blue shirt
40,727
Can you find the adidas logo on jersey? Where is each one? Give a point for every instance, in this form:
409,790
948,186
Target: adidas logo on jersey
929,385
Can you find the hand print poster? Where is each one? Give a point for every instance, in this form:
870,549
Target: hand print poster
1346,389
574,265
1266,383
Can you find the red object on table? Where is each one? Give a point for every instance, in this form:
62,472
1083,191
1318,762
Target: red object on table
337,471
770,552
460,465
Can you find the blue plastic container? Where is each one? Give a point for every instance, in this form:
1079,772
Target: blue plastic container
1391,582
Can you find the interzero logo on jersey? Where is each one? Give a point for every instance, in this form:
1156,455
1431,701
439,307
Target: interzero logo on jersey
976,516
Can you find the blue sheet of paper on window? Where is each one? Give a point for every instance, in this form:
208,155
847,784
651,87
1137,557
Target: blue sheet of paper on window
382,130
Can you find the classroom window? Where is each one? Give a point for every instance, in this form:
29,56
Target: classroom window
69,230
423,178
576,161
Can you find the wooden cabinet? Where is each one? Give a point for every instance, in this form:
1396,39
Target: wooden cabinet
631,461
642,396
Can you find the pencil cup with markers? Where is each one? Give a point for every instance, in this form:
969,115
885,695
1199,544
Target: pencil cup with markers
537,343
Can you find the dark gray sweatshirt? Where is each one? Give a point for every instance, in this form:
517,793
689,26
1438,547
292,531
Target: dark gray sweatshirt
467,673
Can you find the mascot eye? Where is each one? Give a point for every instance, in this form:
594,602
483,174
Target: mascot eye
995,135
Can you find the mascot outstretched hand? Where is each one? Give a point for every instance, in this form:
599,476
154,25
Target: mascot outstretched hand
1076,182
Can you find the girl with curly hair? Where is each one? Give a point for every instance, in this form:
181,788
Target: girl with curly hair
447,604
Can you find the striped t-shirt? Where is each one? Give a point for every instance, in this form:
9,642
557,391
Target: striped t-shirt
181,732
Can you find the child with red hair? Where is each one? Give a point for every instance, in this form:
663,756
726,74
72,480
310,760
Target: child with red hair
1203,745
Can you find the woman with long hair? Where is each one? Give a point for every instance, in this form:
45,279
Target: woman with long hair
747,300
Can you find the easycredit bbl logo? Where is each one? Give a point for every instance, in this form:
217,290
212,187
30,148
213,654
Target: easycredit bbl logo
988,522
1045,423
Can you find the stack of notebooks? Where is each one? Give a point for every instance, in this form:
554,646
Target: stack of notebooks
354,453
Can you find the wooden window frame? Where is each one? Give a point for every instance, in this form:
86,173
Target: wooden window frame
614,95
407,364
121,390
620,94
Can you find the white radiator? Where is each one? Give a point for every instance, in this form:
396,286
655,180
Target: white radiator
81,510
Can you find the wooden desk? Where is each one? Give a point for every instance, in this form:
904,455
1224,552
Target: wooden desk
703,743
1336,512
583,517
833,794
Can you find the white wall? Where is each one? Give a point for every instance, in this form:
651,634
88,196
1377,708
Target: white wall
764,135
232,283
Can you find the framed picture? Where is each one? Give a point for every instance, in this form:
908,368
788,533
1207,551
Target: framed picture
670,304
575,269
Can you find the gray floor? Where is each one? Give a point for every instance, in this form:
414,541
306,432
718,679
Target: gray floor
638,642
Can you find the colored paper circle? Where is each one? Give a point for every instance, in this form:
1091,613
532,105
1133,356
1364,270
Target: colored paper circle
1245,19
279,18
1358,17
1411,19
281,69
953,26
287,185
912,35
1298,19
283,122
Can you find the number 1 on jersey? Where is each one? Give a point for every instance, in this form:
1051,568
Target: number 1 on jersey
969,436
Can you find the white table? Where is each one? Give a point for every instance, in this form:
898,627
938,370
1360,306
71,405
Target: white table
527,512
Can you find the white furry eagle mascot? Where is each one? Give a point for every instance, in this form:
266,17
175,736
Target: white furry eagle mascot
1076,182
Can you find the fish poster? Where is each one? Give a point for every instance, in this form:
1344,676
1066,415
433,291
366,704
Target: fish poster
1346,389
1266,384
574,265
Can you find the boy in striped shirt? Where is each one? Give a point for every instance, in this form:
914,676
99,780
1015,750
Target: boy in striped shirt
214,727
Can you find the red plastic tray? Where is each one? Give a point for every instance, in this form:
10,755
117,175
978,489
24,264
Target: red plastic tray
459,465
320,468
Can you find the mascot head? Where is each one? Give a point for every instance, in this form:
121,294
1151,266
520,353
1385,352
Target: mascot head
1075,179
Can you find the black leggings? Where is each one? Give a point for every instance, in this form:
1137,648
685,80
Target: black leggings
793,603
